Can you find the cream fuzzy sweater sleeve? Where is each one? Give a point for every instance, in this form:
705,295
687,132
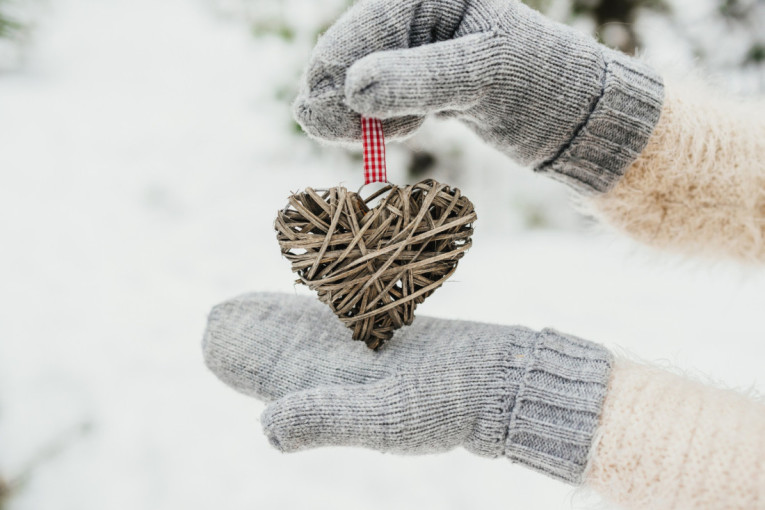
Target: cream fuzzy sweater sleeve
698,187
667,442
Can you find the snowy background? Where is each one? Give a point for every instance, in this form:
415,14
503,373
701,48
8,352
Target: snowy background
144,149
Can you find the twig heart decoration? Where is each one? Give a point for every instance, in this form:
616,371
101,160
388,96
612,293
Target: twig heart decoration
373,266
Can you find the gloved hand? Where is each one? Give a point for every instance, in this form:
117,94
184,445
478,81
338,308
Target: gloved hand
534,397
546,95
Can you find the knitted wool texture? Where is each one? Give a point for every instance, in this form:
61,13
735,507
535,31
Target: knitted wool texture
698,187
533,397
546,95
667,442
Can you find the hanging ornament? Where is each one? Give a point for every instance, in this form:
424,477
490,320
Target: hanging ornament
373,263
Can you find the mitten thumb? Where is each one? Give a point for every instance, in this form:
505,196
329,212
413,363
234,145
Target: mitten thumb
447,75
368,415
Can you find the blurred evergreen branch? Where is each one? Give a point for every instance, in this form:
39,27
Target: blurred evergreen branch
10,487
756,54
278,28
421,163
5,493
277,23
9,27
620,14
734,9
539,5
615,26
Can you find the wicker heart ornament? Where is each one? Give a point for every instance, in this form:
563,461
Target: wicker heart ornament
374,265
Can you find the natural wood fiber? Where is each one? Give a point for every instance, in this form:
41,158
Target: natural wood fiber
373,266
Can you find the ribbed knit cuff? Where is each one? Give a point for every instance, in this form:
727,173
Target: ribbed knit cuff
617,129
558,405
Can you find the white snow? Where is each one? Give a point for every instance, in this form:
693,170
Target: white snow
143,156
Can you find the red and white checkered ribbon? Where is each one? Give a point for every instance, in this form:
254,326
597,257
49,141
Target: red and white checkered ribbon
374,150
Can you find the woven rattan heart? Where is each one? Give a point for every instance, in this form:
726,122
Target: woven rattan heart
374,266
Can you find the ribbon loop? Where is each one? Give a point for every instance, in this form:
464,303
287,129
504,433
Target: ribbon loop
373,140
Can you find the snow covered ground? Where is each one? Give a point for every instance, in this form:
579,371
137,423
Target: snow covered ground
142,158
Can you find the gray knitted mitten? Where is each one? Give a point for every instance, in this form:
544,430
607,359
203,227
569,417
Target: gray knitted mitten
534,397
544,94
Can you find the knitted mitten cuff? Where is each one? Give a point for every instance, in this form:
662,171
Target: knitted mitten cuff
558,405
620,122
